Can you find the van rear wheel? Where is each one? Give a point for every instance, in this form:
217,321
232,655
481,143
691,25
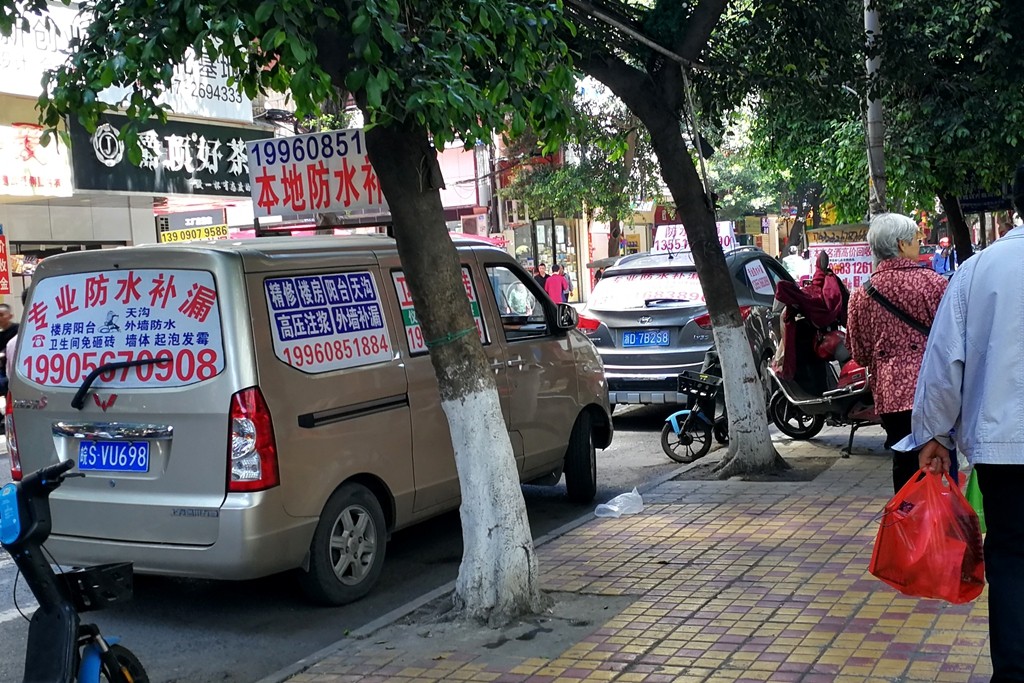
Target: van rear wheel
346,554
581,462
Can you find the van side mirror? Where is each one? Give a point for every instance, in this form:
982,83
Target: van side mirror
568,318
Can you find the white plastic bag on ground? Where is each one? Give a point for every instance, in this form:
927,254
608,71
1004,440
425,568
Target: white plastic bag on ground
623,504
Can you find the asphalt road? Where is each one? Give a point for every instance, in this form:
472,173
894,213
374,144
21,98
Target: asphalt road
207,631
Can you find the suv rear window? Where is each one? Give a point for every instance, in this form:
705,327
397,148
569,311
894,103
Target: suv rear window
632,290
75,323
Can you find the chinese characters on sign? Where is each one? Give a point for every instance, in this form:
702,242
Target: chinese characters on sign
413,331
672,238
177,157
759,280
327,322
313,173
851,262
631,291
192,225
76,323
5,270
838,234
199,86
30,170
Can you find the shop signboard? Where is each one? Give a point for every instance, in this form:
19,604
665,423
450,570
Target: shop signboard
838,234
199,86
981,201
5,269
672,238
851,262
177,158
313,173
192,225
27,169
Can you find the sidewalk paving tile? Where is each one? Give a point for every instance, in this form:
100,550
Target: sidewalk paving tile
732,582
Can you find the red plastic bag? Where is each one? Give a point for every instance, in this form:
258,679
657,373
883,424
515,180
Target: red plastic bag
929,542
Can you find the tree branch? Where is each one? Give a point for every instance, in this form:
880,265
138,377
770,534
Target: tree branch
699,28
631,85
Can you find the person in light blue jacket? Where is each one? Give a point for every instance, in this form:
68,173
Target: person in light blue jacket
972,380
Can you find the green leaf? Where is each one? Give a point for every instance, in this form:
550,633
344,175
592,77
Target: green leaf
264,11
373,93
361,24
355,80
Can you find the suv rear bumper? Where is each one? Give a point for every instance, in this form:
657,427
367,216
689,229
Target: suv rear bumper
659,388
255,538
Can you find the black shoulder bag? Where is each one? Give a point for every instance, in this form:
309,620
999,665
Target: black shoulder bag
895,310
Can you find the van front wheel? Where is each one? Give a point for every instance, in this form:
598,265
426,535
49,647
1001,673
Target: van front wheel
581,462
347,551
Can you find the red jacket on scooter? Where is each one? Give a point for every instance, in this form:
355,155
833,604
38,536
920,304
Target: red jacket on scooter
822,303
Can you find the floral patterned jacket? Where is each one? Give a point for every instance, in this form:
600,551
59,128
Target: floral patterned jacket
890,349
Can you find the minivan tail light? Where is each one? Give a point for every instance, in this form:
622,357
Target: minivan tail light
588,325
252,449
704,321
12,439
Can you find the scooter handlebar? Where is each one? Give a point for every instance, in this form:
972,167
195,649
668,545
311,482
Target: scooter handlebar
47,478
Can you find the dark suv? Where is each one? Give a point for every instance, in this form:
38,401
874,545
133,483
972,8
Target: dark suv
649,322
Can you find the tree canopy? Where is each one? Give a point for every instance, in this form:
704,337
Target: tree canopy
458,69
949,82
609,165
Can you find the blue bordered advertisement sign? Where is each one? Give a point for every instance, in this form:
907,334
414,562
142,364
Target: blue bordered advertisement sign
330,322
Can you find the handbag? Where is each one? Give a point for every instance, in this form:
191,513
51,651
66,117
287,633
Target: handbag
896,310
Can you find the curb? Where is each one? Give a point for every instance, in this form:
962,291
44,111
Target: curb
408,608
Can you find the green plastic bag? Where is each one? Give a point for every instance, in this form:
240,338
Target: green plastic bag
973,495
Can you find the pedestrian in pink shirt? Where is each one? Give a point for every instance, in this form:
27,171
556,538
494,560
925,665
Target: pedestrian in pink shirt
556,285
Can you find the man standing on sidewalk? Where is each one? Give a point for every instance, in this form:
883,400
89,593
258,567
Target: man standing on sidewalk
557,286
972,378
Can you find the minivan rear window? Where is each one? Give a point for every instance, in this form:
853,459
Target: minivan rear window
632,290
75,323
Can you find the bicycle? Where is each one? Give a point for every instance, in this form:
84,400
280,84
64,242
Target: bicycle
60,648
686,435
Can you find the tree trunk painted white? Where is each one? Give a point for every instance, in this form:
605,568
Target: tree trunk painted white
498,575
750,445
498,579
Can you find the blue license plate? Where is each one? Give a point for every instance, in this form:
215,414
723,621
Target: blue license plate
645,338
113,456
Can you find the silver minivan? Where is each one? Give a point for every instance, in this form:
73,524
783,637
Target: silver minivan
246,408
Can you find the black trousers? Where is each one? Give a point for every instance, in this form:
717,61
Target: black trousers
905,465
1002,488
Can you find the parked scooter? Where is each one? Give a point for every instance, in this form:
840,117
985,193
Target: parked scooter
61,649
686,435
847,400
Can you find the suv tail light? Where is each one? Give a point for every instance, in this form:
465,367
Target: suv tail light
588,325
252,449
704,321
12,440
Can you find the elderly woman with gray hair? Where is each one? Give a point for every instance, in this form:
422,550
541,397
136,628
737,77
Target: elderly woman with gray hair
889,319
